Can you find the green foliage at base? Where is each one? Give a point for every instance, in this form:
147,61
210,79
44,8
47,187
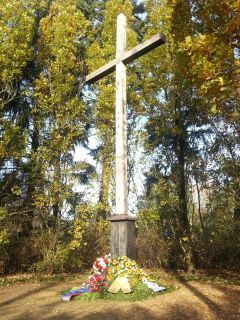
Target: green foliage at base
140,292
89,296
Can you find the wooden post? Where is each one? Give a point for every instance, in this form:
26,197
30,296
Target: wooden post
123,236
121,121
122,225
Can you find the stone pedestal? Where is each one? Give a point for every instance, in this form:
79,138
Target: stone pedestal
123,236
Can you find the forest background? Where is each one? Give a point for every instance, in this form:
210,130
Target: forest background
183,132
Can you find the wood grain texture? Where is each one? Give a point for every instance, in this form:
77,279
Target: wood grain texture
126,57
123,239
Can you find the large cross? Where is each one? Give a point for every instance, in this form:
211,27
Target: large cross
122,225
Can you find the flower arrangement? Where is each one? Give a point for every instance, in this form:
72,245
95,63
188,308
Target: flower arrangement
101,264
124,266
96,282
113,275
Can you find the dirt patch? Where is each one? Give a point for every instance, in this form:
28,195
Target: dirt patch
193,300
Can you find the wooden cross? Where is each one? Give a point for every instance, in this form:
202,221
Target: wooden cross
122,225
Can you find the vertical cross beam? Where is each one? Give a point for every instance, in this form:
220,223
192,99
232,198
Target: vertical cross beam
122,225
121,120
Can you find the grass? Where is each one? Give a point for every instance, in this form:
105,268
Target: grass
210,279
37,278
204,277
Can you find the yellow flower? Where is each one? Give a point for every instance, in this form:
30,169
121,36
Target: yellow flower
134,262
109,271
124,258
115,262
130,271
108,277
127,264
118,268
132,281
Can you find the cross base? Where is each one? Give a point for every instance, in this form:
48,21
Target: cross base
123,236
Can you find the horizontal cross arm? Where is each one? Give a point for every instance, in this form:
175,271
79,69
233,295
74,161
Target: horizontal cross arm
101,72
126,58
143,48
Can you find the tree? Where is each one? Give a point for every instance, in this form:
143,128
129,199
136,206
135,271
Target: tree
44,118
183,111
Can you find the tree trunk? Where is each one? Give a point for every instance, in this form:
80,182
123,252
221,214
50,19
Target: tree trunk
103,210
199,209
185,234
56,190
237,204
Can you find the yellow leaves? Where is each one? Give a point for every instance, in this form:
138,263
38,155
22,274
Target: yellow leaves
4,236
60,29
201,43
59,56
106,51
213,65
209,67
112,9
16,190
56,187
221,81
160,14
3,213
16,31
213,109
78,231
41,201
13,141
94,59
74,244
58,52
188,40
80,225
